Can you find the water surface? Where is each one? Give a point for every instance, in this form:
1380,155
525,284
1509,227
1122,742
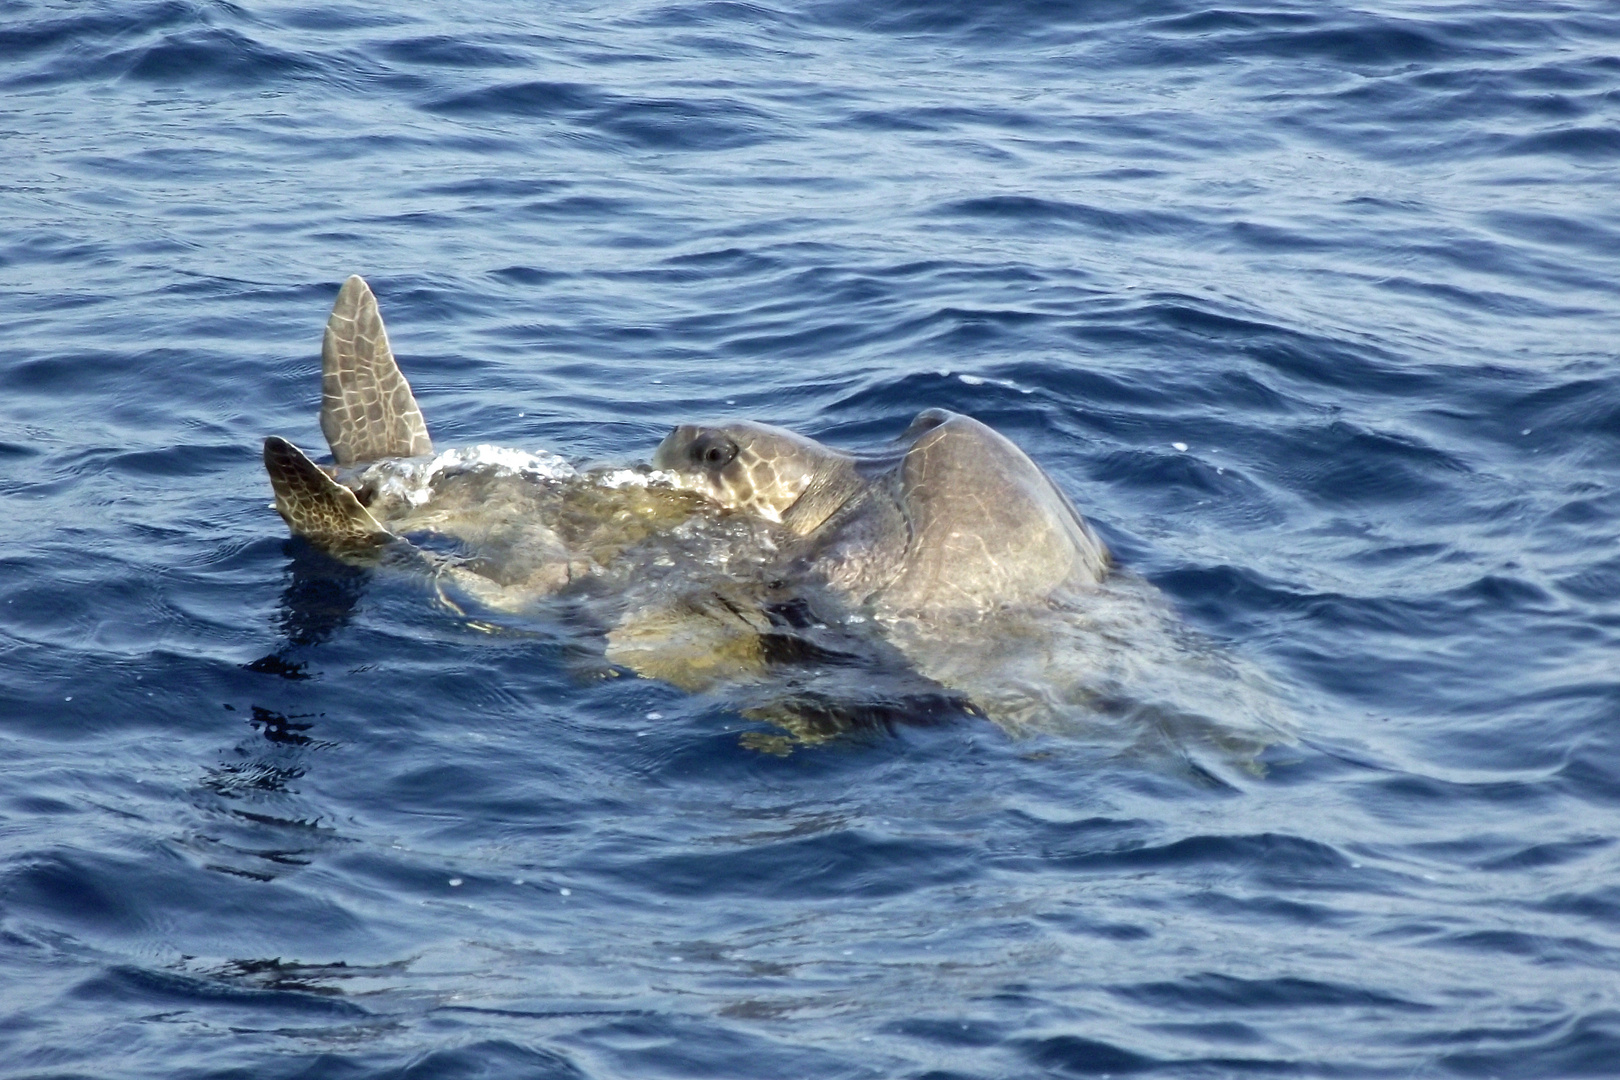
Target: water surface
1311,308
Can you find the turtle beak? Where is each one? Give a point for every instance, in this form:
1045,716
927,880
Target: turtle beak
668,456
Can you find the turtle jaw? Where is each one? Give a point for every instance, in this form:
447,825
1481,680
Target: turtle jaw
670,456
680,456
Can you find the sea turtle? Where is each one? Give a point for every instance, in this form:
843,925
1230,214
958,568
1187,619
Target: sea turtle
955,521
527,524
808,585
681,586
970,562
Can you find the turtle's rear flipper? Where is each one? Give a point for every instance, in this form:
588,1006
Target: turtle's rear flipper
367,409
314,505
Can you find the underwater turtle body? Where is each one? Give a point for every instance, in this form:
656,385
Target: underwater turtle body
954,521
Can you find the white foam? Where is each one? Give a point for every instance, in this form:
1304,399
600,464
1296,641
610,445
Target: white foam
980,380
505,459
412,479
623,478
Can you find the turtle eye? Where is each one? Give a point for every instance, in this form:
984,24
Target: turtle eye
713,451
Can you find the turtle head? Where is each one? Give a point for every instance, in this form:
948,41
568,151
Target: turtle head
749,467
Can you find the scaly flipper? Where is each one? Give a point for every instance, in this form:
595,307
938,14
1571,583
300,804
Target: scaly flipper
314,505
367,409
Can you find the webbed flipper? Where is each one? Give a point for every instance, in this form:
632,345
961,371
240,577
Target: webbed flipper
367,409
314,505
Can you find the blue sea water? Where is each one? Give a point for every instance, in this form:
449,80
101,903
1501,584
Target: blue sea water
1313,308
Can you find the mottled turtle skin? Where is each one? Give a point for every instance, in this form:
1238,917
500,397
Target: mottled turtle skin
368,413
956,520
367,409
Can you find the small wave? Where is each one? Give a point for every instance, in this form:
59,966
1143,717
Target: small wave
214,55
127,983
839,864
1038,212
1209,990
1572,1045
23,38
1011,20
524,99
645,122
441,51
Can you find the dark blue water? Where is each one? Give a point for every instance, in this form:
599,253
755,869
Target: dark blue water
1312,308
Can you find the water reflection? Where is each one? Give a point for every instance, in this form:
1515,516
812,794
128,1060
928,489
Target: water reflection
255,824
319,599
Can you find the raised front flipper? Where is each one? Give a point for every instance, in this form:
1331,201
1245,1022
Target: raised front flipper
367,409
314,505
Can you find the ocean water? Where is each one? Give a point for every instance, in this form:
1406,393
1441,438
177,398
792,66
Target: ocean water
1312,308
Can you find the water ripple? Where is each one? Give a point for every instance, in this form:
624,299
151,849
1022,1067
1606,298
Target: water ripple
1311,309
